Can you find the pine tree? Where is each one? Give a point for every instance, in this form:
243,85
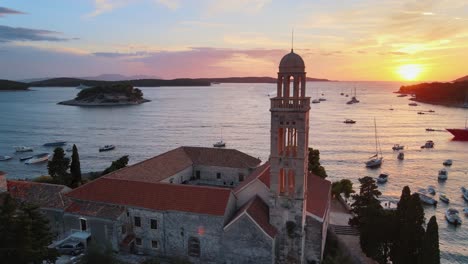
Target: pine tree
314,163
58,167
430,249
75,168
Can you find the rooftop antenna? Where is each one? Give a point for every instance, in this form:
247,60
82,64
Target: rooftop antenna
292,40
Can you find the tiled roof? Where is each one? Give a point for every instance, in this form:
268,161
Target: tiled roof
259,211
95,209
221,157
318,195
155,196
42,194
261,172
167,164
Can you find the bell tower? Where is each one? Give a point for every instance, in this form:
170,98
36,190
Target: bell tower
289,158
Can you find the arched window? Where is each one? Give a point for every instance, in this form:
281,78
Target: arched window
291,183
193,247
282,182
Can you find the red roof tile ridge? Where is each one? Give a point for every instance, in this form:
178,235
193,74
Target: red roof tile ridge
37,183
256,174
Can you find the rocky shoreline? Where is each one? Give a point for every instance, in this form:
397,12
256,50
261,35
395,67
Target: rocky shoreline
74,102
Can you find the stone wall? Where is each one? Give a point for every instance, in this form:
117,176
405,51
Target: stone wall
228,176
314,234
244,242
181,176
256,187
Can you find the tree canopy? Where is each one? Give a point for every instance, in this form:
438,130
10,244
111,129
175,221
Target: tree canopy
314,163
116,165
343,186
58,167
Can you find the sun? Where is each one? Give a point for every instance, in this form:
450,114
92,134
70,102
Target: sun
410,72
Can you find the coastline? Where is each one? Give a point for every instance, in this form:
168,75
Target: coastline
448,104
74,102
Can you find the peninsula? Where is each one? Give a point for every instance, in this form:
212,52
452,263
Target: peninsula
108,95
449,94
6,85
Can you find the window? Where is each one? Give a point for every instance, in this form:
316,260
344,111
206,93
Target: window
154,224
137,221
83,224
218,175
124,229
138,241
197,175
291,182
282,182
241,177
154,244
193,247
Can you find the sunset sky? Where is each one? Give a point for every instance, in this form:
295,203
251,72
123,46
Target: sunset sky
341,40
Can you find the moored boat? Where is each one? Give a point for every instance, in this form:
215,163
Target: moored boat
443,175
219,144
430,129
23,149
321,99
431,189
413,104
420,113
42,157
426,199
447,162
398,147
452,216
106,148
349,121
4,158
428,144
402,95
25,158
376,160
383,178
401,156
444,198
316,101
55,144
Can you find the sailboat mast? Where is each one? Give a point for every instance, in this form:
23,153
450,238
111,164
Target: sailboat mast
375,128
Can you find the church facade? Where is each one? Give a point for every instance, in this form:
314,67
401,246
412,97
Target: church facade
210,205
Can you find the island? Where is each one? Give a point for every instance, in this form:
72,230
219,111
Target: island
449,94
6,85
108,95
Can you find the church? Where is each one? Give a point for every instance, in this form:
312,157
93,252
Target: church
206,205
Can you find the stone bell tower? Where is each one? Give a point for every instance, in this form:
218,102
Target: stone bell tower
289,158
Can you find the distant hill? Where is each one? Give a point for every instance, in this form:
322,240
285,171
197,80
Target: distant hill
73,82
462,79
451,94
6,85
117,77
252,80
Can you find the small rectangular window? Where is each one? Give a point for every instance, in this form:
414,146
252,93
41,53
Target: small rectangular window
154,224
197,174
154,244
218,175
83,224
138,241
137,221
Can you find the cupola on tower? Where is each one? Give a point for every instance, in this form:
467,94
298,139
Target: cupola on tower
289,158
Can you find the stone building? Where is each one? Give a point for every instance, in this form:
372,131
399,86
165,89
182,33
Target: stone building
211,205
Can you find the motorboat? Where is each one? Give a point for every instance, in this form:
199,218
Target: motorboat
465,211
430,129
321,99
5,158
55,144
383,178
350,102
452,216
25,158
421,113
426,199
401,156
106,148
431,189
349,121
413,104
341,93
444,198
443,175
376,160
431,111
464,193
402,95
42,157
219,144
447,162
23,149
316,101
428,144
398,147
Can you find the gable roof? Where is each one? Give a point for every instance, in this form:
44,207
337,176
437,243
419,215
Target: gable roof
169,163
42,194
259,212
155,196
261,173
95,209
318,196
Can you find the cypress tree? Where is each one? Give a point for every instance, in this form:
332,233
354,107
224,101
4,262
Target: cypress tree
430,248
58,167
75,168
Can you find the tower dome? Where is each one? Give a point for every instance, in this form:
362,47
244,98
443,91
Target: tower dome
292,62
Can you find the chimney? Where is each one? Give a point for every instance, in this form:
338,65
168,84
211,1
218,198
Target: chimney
3,182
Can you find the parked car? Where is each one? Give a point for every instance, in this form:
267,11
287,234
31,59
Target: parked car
70,248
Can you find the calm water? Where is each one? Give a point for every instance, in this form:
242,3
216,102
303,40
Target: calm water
199,116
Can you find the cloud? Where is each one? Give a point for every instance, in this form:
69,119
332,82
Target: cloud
105,6
8,34
121,54
7,11
216,7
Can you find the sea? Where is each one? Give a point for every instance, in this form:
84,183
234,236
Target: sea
239,114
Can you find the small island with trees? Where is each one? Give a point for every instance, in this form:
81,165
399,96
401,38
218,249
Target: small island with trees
108,95
6,85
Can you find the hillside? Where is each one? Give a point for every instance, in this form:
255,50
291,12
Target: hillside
252,80
462,79
451,94
73,82
6,85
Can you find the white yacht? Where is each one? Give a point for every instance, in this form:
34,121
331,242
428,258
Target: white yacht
443,175
219,144
452,216
23,149
376,160
5,158
38,158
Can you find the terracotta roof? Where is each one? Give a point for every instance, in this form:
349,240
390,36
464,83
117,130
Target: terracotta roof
261,172
167,164
318,195
155,196
42,194
259,211
95,209
221,157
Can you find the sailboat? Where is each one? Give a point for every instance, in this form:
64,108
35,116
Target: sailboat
316,101
221,143
376,160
